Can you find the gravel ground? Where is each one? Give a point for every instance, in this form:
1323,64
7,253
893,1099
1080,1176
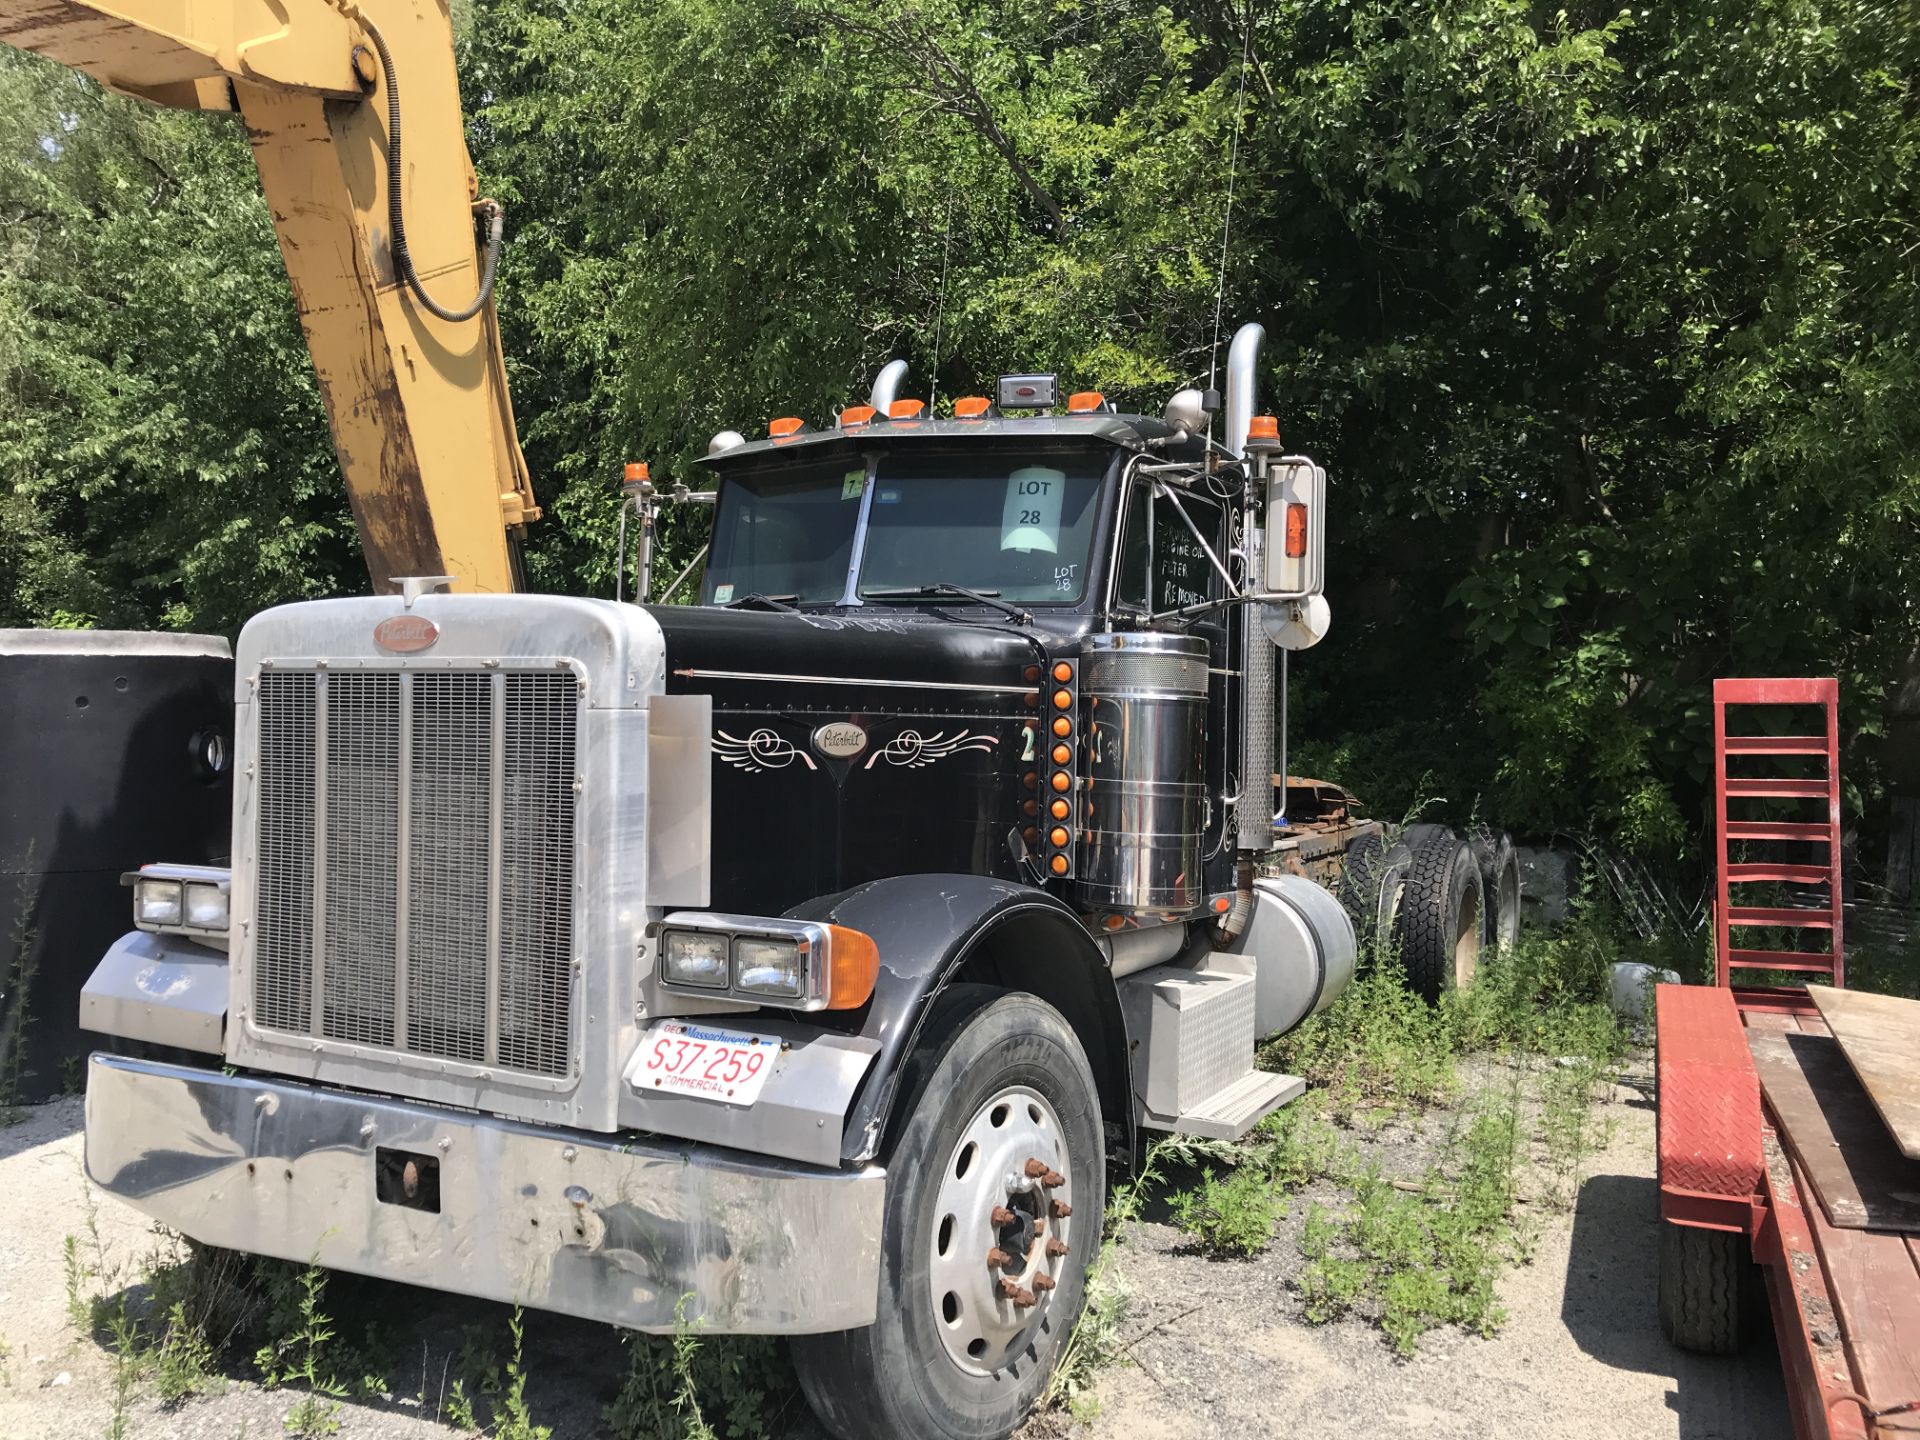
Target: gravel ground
1219,1347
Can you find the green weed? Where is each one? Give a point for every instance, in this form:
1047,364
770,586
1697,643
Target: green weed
1424,1254
688,1387
1230,1217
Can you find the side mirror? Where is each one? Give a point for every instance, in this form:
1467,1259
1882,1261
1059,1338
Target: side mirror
1296,538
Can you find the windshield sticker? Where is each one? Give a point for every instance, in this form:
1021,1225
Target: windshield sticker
852,484
1030,519
722,594
886,497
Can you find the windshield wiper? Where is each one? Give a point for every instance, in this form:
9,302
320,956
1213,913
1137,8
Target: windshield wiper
754,597
988,598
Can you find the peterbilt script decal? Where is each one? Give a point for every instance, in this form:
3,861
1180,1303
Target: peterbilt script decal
841,740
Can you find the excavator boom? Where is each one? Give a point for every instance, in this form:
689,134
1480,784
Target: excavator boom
418,404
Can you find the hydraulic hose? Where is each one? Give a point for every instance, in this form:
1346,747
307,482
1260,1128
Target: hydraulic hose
396,216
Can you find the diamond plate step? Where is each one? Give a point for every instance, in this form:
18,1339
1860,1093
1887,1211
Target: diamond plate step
1234,1109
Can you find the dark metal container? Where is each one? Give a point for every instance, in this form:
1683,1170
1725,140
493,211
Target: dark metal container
1144,699
116,746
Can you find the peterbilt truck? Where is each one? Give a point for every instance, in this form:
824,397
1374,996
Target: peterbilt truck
799,961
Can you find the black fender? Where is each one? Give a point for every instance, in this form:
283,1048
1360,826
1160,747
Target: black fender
934,930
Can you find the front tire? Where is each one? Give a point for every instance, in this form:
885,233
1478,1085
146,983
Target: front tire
957,1353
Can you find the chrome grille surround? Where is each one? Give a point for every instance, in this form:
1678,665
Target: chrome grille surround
416,829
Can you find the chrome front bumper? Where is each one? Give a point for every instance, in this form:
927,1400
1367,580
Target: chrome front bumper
549,1219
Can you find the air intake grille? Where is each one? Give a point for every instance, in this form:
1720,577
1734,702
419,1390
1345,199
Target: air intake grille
415,885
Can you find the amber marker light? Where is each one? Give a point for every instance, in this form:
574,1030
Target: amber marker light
971,407
1062,781
1030,674
1296,531
1085,402
1030,780
855,416
1060,809
784,426
1062,726
852,968
1058,837
1063,672
1062,699
1062,754
906,409
1059,865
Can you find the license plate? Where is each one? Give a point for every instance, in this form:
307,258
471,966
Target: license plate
684,1057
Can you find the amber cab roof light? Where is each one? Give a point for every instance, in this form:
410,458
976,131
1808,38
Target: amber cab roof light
972,407
782,426
635,476
906,409
1263,433
1085,402
855,416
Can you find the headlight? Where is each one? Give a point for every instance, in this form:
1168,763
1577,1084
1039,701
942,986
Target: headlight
206,907
768,967
156,902
690,958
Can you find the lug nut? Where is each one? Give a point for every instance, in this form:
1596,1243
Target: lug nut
1035,1169
1026,1300
1053,1180
1001,1215
999,1259
1011,1289
1056,1248
1043,1281
1061,1210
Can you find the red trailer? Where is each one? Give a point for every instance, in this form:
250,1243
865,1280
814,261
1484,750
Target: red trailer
1789,1116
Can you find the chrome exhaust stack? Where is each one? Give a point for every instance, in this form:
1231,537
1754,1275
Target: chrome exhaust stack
886,387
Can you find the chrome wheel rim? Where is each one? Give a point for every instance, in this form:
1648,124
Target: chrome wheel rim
1002,1230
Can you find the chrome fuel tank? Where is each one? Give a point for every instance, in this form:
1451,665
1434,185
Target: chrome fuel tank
1144,714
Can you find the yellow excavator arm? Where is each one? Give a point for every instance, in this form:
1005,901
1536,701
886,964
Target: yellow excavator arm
379,238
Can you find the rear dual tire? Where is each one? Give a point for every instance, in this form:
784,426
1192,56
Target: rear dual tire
1439,925
948,1358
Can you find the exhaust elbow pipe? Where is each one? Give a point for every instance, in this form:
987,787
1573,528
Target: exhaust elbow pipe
1243,384
886,388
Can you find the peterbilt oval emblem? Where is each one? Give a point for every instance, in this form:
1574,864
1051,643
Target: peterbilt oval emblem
841,740
405,634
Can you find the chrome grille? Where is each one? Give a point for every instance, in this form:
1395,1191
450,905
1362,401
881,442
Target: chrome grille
415,862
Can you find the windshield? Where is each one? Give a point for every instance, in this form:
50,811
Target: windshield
1017,525
787,533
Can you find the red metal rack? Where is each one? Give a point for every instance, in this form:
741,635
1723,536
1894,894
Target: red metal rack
1728,917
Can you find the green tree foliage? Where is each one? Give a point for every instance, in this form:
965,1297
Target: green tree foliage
164,461
1602,318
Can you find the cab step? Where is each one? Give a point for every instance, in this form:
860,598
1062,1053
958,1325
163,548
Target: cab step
1233,1110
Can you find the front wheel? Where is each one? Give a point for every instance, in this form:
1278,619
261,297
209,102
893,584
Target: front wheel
995,1191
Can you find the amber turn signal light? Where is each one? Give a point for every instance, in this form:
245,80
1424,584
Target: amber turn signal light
1296,531
852,969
